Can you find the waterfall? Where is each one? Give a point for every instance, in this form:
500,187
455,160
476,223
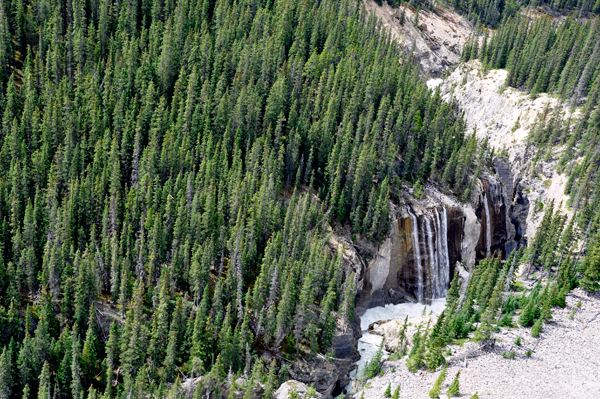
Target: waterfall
446,257
433,273
432,261
488,224
439,288
417,248
441,246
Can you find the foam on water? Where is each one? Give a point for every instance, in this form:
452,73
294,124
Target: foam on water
399,311
368,345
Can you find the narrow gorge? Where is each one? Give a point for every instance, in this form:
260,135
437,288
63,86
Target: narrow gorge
292,199
430,236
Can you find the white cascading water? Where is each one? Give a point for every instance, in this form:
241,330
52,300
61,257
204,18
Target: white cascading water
445,267
416,246
438,288
435,239
488,224
432,264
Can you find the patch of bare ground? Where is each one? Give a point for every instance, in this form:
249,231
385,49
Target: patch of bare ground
564,361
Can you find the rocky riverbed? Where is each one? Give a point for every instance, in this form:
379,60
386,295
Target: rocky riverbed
564,361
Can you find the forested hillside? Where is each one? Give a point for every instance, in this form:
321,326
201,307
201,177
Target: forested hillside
490,13
181,161
561,58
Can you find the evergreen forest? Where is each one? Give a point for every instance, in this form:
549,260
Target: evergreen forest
170,174
173,174
561,59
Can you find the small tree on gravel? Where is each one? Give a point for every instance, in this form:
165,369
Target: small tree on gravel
402,341
537,328
454,389
528,313
474,396
591,269
416,356
388,391
396,394
437,387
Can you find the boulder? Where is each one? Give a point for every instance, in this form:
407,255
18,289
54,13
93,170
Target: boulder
289,386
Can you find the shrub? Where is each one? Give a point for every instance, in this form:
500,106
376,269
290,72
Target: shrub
311,392
518,341
294,394
528,353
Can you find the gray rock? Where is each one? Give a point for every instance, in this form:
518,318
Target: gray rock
287,387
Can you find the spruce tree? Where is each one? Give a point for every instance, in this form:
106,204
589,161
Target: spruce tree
591,269
537,328
45,387
388,391
271,381
6,378
437,386
76,373
454,389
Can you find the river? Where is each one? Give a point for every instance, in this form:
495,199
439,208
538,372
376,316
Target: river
369,343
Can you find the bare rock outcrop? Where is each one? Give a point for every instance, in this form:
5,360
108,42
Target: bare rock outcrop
505,116
437,39
286,389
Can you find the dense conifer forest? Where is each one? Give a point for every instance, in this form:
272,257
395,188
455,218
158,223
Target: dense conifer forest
491,13
172,171
175,167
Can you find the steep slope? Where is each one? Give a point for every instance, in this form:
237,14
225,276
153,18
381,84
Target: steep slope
524,179
435,38
505,116
563,362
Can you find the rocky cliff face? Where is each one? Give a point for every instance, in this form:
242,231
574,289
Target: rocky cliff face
501,214
435,38
505,116
429,236
416,260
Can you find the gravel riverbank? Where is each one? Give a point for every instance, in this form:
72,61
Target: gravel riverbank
565,361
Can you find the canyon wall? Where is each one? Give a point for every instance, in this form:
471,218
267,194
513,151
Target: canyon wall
429,236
